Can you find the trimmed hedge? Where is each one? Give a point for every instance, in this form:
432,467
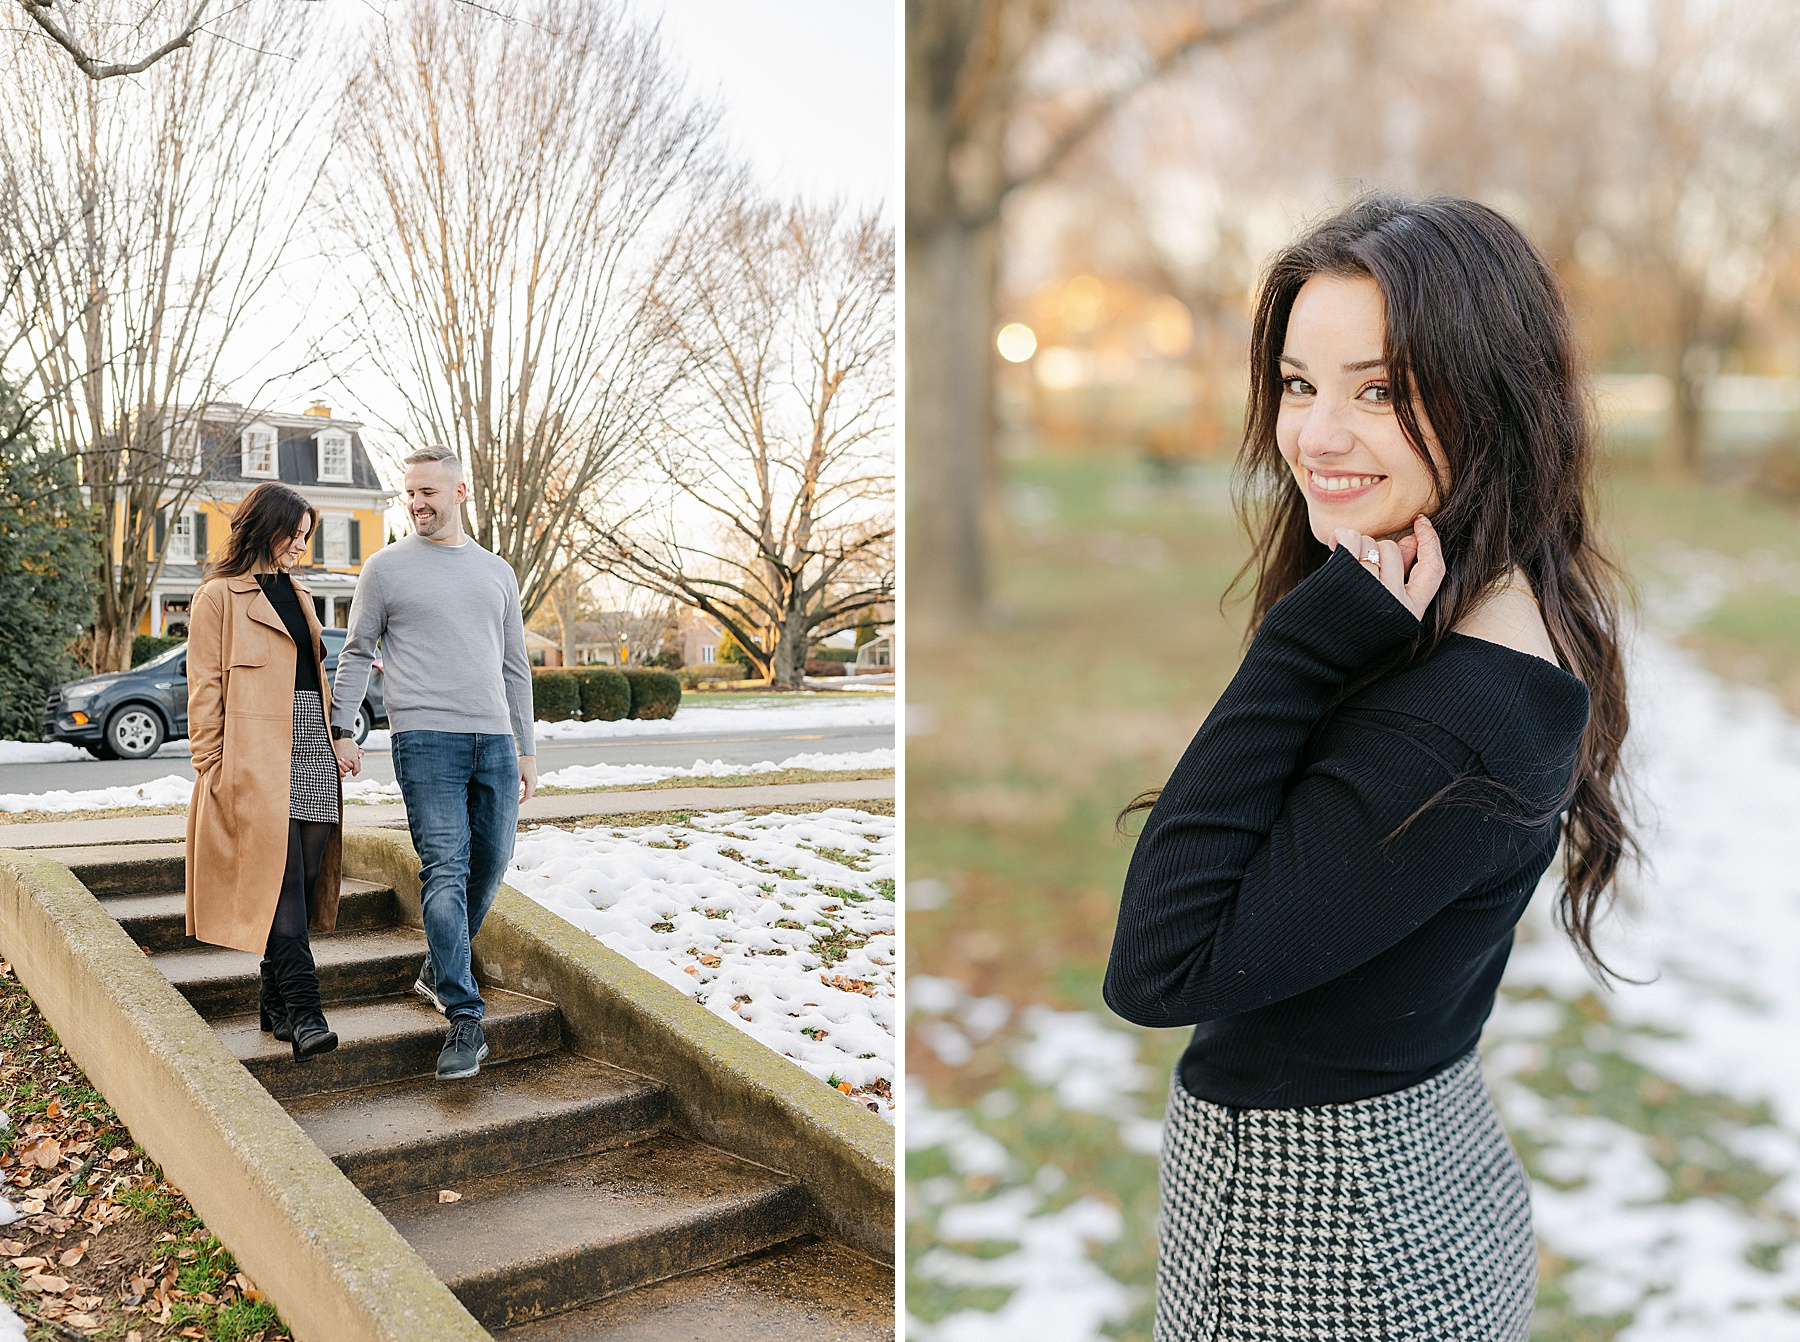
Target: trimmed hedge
831,655
654,694
818,667
555,695
146,646
605,693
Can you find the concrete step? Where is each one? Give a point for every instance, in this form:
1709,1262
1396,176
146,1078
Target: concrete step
159,922
540,1240
426,1134
387,1040
806,1290
221,982
126,868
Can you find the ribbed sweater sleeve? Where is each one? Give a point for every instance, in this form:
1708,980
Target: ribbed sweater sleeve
1267,867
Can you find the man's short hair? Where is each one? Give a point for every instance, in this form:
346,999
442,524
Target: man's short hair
436,452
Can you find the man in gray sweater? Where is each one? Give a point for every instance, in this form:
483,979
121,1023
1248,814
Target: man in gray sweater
457,684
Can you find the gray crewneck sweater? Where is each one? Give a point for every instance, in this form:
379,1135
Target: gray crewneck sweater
452,642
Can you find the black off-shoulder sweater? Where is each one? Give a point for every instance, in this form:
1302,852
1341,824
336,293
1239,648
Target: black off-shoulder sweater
1322,956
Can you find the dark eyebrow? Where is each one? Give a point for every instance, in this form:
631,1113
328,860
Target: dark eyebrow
1362,366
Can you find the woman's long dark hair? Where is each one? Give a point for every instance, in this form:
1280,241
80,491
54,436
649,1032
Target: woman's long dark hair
269,515
1478,345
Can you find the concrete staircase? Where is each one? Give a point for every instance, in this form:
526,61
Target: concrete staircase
583,1213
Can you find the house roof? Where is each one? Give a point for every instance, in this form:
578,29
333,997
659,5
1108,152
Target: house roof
297,456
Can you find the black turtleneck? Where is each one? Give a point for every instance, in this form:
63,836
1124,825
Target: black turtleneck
279,588
1326,949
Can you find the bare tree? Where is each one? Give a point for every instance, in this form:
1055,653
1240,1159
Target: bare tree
1651,152
775,457
506,187
147,219
81,45
999,93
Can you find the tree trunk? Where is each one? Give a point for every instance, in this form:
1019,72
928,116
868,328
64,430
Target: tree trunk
1691,362
951,474
788,666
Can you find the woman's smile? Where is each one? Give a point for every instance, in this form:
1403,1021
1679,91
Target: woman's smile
1338,486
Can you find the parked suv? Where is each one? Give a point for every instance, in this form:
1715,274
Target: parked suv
130,714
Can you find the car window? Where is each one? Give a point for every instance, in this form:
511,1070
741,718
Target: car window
163,658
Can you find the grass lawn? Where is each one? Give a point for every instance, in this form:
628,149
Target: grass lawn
1109,647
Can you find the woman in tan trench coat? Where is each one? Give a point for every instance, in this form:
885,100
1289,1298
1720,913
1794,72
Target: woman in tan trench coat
264,834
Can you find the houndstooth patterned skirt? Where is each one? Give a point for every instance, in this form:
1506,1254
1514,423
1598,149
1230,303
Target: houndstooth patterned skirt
313,782
1401,1218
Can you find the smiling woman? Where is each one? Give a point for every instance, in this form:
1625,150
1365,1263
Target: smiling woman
1328,886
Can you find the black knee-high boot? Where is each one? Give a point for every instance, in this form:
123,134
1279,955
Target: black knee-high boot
272,1009
289,952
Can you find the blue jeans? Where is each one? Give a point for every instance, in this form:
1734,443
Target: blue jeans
462,805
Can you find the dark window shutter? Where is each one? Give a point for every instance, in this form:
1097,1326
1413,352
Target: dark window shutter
355,540
319,543
162,532
199,538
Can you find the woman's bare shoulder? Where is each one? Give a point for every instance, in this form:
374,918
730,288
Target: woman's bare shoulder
1512,619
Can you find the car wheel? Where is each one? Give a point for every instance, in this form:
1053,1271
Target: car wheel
134,732
100,750
360,728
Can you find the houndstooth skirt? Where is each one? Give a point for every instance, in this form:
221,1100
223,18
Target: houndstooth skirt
1400,1218
313,782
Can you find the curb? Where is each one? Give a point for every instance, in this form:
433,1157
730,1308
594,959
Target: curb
331,1263
725,1088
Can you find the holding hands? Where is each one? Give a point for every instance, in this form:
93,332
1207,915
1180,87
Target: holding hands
1411,568
349,756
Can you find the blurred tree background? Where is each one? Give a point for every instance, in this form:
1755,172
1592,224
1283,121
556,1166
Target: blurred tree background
1114,173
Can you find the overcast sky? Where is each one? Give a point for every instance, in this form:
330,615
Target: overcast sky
809,97
808,86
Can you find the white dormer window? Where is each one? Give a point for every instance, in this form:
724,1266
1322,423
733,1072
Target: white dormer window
183,449
709,652
259,451
334,456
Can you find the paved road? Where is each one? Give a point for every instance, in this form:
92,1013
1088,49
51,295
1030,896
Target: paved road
739,747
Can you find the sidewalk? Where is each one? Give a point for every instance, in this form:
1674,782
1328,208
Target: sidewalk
539,810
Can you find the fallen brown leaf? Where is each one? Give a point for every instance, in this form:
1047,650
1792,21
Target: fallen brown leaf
70,1257
445,1195
46,1283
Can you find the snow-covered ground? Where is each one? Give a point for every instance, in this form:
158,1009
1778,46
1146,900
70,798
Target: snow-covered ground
1661,1122
783,925
824,712
819,711
174,790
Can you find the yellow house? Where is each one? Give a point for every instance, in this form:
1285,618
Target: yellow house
234,449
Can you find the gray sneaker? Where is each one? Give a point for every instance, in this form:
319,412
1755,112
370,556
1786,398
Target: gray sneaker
463,1050
426,986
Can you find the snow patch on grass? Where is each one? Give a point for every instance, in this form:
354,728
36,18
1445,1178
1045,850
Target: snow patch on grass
783,925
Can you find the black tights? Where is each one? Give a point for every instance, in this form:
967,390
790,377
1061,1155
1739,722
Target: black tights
288,956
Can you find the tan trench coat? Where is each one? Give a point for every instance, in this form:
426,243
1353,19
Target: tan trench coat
240,671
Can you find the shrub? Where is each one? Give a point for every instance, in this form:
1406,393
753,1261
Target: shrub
605,693
146,646
669,659
831,655
818,667
654,693
555,695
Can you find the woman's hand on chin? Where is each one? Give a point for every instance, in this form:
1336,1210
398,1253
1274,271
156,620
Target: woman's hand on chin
1412,568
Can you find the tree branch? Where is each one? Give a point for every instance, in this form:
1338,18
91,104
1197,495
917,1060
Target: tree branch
1203,36
38,11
